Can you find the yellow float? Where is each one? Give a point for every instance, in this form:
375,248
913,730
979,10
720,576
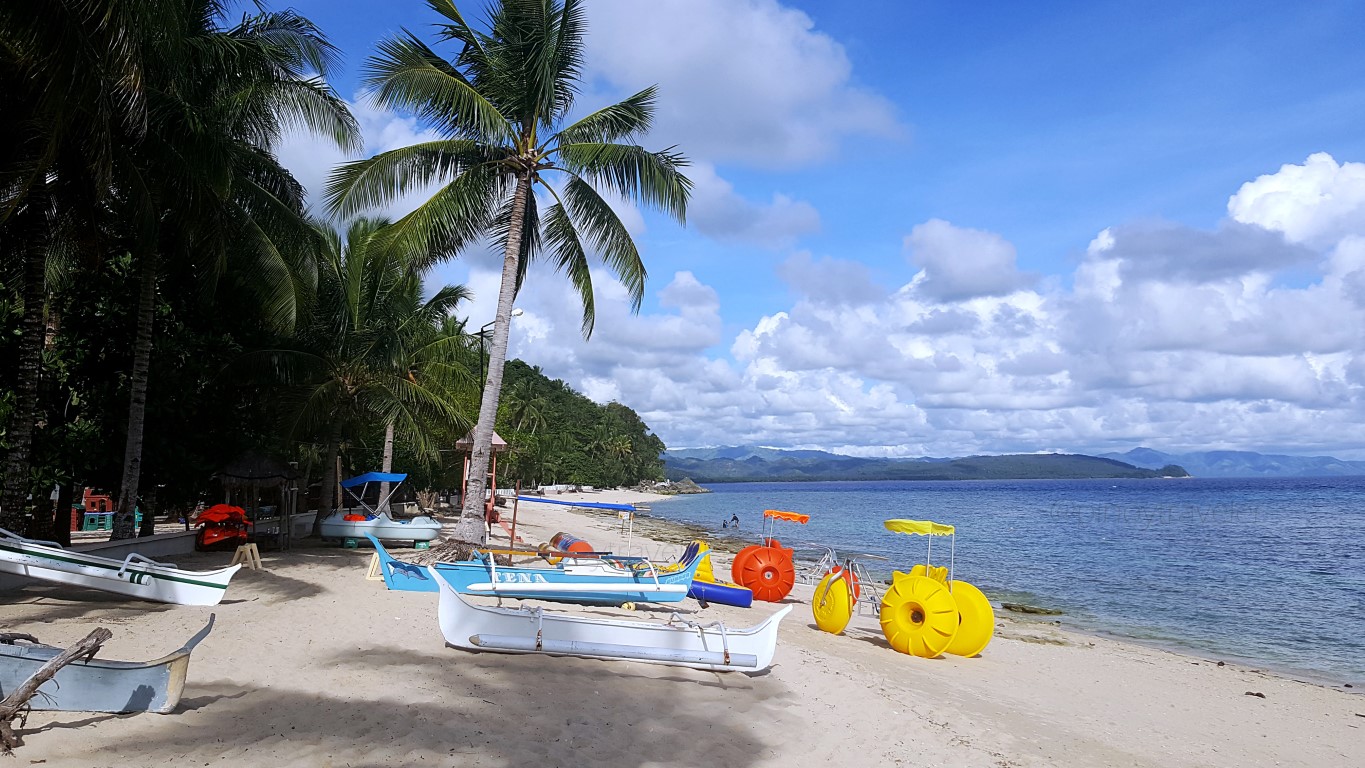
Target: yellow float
926,612
833,601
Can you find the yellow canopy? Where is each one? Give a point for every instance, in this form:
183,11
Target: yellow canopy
920,527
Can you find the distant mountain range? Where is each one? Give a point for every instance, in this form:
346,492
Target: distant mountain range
1242,463
753,464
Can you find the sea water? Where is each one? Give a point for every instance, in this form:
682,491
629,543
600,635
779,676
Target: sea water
1264,571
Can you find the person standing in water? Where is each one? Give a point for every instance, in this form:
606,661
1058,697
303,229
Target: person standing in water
734,521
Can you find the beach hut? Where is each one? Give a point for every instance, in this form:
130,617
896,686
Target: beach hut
268,490
466,446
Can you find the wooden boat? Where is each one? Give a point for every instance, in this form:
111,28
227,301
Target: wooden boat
677,643
603,580
134,575
401,576
100,685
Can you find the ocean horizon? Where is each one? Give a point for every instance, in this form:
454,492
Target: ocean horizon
1264,571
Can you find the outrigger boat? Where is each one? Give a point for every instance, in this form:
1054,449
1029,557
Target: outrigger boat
400,576
678,642
375,521
100,685
134,575
603,579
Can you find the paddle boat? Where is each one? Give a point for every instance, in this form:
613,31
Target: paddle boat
134,575
587,579
349,527
222,526
678,642
927,612
707,589
100,685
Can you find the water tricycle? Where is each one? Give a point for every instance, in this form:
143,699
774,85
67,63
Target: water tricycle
843,586
767,569
927,612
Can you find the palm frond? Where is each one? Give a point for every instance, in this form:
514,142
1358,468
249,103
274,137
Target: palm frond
623,121
651,178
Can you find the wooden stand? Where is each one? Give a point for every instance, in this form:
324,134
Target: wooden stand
249,556
376,572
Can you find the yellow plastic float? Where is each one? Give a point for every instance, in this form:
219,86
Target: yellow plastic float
833,601
926,612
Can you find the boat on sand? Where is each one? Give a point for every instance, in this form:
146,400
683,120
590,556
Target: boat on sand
678,642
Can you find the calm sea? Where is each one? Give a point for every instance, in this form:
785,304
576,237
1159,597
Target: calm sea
1266,571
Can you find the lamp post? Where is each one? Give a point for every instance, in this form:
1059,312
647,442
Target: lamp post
483,360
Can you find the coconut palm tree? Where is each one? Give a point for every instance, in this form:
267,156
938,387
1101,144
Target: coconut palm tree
375,352
203,189
502,106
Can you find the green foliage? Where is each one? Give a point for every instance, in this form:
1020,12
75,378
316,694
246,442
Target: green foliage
557,435
833,467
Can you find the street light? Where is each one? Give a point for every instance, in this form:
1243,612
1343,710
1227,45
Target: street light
483,336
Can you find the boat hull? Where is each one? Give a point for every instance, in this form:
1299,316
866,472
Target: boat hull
400,576
134,576
583,581
383,527
100,685
531,630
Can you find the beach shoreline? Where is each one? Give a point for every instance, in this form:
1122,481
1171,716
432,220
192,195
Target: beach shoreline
310,664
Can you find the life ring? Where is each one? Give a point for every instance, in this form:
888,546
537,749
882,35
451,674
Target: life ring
919,615
976,620
832,604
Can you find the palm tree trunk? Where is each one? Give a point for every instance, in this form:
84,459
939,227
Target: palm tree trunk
327,493
137,406
472,526
14,501
387,466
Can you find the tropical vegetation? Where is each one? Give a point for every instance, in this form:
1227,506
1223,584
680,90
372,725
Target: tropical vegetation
168,305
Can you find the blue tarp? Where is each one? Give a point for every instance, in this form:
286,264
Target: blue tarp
590,504
374,477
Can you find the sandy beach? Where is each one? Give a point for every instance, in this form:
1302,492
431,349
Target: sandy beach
310,664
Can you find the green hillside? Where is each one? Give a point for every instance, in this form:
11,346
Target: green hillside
831,467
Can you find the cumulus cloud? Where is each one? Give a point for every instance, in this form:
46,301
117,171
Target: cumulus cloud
1317,203
717,211
960,263
1164,250
741,81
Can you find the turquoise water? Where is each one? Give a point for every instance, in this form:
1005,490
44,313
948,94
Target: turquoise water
1265,571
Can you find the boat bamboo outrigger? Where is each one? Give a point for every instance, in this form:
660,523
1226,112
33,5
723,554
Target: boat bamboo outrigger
599,579
134,575
677,643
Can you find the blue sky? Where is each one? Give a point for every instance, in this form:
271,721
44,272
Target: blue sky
947,228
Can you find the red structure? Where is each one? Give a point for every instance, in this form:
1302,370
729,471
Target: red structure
90,502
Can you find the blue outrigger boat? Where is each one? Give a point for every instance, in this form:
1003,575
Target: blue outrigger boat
601,580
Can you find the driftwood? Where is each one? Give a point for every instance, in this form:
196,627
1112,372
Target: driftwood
15,705
8,638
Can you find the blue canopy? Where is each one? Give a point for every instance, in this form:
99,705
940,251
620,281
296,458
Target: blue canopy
374,477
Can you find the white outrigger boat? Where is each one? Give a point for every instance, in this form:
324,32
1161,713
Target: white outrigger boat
134,575
677,643
374,521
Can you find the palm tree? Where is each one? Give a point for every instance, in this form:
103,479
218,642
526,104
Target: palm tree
72,78
525,408
203,189
502,106
375,352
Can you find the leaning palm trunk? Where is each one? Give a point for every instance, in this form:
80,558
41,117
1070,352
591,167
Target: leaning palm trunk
137,406
472,526
14,503
388,463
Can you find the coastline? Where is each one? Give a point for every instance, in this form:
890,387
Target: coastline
311,665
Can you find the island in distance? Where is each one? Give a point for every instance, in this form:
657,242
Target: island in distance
755,464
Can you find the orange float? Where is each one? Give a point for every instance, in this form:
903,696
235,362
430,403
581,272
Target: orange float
566,542
767,569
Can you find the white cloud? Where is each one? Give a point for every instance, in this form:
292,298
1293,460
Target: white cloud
1317,203
717,211
961,263
741,81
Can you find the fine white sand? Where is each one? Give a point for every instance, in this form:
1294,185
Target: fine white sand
312,665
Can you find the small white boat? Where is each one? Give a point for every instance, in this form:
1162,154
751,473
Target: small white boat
134,575
678,642
375,520
380,526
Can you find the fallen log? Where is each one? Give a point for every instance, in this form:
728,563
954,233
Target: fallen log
15,705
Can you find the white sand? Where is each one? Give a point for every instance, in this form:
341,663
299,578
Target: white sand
312,665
